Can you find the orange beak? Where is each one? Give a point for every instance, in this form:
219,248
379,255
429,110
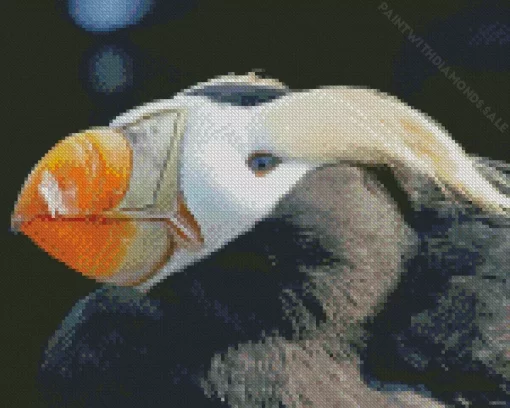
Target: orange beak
70,206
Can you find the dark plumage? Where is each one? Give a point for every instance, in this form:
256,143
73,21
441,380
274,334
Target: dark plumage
343,278
240,94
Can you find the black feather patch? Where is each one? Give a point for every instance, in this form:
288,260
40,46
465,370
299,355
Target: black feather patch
240,94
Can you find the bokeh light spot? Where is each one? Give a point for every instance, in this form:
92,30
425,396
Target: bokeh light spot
110,70
108,15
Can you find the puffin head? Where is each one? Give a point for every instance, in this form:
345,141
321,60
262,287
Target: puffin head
170,182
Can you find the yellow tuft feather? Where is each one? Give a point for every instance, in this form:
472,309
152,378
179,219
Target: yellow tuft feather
329,125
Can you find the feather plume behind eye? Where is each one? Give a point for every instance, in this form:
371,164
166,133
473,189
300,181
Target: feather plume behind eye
364,126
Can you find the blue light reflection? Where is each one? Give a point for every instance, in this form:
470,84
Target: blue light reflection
108,15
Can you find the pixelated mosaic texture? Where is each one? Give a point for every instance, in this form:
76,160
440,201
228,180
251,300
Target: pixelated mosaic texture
347,294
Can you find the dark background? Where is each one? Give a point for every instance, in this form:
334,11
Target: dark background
49,91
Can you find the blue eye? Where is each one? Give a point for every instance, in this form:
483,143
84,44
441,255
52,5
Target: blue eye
261,163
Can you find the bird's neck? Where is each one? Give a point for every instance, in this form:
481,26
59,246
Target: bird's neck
349,217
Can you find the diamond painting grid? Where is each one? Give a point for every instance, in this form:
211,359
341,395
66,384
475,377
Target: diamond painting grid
260,322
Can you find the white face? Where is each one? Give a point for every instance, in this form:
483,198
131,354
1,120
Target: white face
220,182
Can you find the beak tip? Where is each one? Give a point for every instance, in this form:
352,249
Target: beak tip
15,226
17,220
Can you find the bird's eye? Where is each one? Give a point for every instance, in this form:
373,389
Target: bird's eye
262,163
